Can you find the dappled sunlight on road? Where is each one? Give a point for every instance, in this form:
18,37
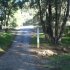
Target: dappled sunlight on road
19,56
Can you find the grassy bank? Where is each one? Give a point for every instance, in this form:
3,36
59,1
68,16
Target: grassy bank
65,40
5,40
42,40
58,62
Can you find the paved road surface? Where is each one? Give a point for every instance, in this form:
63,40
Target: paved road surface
18,56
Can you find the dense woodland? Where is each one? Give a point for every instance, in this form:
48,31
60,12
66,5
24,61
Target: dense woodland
53,15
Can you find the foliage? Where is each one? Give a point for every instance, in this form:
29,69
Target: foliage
67,30
8,8
53,15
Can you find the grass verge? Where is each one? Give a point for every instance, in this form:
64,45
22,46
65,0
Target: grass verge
58,62
5,40
61,62
41,40
66,40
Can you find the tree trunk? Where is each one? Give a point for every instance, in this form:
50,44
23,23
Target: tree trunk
7,18
49,27
64,21
41,16
56,23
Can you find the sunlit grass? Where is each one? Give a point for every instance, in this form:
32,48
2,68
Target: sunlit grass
5,39
1,50
65,40
33,41
58,62
41,40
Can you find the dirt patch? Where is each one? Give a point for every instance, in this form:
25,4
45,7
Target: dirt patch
50,50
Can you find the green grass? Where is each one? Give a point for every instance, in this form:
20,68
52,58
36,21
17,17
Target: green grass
5,39
60,61
41,39
33,40
66,40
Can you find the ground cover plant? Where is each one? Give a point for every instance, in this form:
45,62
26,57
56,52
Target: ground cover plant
60,61
5,40
65,40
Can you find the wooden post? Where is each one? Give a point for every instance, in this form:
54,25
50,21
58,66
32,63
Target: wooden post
38,43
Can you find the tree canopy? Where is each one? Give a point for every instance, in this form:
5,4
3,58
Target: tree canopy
53,17
53,14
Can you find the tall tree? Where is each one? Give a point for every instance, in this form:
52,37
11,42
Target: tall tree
57,12
8,6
